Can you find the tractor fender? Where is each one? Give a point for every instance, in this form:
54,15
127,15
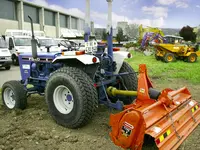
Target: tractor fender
85,59
119,57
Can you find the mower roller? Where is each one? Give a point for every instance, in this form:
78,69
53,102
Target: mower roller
163,118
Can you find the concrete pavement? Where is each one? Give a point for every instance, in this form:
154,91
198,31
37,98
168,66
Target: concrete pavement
12,74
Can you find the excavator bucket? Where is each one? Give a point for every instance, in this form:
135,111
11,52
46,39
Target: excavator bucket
165,118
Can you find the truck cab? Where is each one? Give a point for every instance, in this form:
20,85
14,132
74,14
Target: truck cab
18,42
5,55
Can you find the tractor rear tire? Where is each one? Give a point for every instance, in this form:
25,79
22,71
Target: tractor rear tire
130,82
169,57
14,95
192,58
71,97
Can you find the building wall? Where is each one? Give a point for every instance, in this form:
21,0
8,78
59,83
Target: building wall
13,15
27,26
50,31
7,24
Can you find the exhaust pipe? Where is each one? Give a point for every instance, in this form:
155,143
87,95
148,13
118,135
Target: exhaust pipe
34,42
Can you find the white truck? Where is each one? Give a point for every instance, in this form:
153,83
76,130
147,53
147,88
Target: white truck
19,42
5,55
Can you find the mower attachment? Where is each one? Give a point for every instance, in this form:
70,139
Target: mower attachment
167,117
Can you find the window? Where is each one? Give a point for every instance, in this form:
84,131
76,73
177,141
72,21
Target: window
82,24
3,43
22,41
8,10
31,11
49,18
74,23
47,42
63,21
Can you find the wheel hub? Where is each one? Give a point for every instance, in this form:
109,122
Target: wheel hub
63,99
169,58
9,98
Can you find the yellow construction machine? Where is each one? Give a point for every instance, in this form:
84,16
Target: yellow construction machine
171,52
143,31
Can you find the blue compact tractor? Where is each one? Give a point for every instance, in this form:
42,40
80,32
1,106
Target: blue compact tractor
73,82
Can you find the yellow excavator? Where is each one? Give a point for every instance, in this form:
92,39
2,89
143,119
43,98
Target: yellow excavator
143,30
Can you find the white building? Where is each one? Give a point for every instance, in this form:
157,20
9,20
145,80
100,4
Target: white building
14,15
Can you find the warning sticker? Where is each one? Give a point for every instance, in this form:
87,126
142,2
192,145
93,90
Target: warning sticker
26,66
191,103
127,129
156,129
142,90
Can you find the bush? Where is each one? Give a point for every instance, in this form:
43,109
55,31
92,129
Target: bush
131,44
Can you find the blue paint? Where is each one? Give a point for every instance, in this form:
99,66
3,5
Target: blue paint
110,43
69,97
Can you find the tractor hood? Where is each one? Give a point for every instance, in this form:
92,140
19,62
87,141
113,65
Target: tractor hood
40,55
4,52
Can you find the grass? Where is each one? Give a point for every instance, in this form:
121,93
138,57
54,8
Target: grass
159,69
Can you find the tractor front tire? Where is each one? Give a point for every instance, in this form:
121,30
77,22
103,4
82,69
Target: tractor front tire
71,97
169,57
192,58
130,82
14,95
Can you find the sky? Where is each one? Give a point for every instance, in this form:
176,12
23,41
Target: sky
155,13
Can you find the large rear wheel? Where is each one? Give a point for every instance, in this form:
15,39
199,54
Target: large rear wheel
71,97
128,82
192,58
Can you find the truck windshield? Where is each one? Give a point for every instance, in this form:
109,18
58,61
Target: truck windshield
3,43
22,41
47,42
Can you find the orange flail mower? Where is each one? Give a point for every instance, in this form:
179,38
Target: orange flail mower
165,118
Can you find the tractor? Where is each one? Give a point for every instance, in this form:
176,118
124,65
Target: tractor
73,82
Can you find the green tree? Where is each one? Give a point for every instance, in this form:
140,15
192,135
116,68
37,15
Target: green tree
188,34
104,35
120,35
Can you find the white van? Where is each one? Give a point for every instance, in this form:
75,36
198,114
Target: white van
18,42
5,55
46,43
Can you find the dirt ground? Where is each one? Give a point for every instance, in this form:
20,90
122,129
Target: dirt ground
34,129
